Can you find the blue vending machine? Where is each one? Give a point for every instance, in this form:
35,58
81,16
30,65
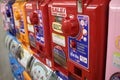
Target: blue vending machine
10,18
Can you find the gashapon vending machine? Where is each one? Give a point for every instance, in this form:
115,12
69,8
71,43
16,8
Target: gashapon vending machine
19,56
79,37
38,28
12,45
59,11
16,13
9,17
42,31
38,70
21,22
4,16
16,68
24,57
31,10
113,48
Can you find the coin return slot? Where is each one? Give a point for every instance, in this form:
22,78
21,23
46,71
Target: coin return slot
40,48
78,71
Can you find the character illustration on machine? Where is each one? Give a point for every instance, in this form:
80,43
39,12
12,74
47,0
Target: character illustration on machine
78,48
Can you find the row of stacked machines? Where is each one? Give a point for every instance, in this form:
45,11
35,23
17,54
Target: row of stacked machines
63,39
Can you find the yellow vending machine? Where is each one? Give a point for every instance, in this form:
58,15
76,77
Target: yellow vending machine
20,21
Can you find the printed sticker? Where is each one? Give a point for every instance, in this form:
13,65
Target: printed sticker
58,11
30,28
22,27
25,57
32,40
40,29
59,56
17,23
57,27
116,59
117,42
58,39
61,76
28,20
48,62
79,45
28,6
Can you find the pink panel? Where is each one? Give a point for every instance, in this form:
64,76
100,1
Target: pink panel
113,49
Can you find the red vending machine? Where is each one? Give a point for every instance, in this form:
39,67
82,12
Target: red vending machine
39,36
31,10
42,32
79,36
60,10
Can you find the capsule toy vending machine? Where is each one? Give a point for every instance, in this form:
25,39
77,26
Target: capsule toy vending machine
10,17
42,31
16,68
87,50
38,70
21,22
4,16
24,56
12,45
79,37
20,57
17,16
31,10
113,47
57,13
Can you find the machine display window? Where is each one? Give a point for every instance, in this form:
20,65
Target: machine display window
58,19
79,5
